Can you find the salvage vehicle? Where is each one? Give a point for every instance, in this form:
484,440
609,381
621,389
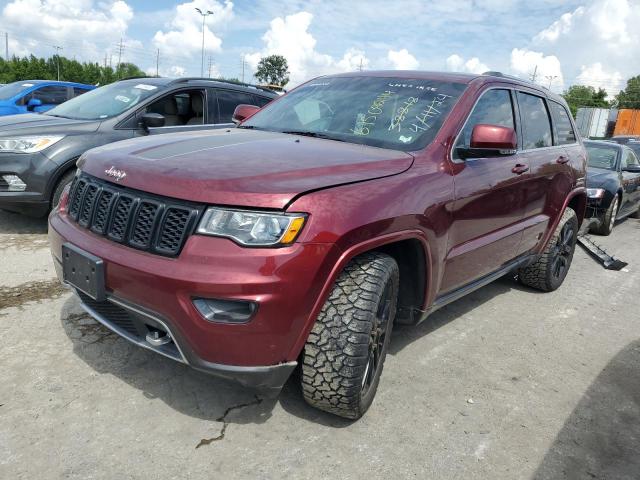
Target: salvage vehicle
351,203
613,181
38,96
38,153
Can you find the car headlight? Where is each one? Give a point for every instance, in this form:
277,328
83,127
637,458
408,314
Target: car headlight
28,144
250,228
595,192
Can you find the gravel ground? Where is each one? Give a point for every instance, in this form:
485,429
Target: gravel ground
506,383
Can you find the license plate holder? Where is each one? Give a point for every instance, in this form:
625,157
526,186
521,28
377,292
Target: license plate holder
83,271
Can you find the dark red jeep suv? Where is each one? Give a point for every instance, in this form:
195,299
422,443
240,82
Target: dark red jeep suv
354,202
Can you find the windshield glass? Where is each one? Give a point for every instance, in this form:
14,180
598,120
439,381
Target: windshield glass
635,146
398,113
105,102
13,89
602,156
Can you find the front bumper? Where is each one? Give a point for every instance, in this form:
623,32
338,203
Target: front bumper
284,282
35,170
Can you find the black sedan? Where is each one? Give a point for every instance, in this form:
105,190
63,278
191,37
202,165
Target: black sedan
613,181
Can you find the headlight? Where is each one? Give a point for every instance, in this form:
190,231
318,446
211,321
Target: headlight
595,192
28,144
260,229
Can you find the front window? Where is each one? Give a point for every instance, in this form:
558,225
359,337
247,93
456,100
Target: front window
398,113
602,156
105,102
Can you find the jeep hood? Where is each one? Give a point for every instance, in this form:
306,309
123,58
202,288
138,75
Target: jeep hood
42,124
240,167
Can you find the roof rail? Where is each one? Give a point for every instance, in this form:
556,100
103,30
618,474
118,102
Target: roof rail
492,73
134,77
230,82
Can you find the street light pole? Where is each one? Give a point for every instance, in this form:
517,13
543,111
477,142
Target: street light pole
204,17
551,78
58,58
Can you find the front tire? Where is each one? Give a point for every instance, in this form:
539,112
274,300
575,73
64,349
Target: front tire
345,352
608,221
549,271
66,179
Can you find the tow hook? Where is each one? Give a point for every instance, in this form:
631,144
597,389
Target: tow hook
158,338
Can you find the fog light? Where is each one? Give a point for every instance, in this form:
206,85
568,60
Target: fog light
14,183
225,311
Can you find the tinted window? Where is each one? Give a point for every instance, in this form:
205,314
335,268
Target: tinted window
228,101
52,95
261,101
493,108
635,146
79,91
564,128
400,113
536,128
602,156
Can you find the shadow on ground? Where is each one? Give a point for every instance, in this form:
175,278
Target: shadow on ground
18,223
601,438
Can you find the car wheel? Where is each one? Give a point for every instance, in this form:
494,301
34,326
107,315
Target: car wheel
609,219
66,179
549,271
345,352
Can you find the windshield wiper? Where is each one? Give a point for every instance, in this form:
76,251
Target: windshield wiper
57,116
306,133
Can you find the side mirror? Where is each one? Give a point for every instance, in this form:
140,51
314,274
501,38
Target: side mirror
33,103
152,120
490,141
242,112
632,169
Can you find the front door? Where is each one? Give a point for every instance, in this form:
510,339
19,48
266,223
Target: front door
630,183
488,206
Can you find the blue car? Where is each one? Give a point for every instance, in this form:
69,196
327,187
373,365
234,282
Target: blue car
37,95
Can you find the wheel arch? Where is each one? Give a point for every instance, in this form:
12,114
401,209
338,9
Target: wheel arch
60,172
404,247
577,200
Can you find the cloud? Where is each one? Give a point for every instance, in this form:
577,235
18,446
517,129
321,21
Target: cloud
595,76
184,35
547,68
83,28
402,60
604,33
456,63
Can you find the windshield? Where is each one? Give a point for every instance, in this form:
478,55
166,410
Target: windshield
602,156
104,102
398,113
13,89
635,146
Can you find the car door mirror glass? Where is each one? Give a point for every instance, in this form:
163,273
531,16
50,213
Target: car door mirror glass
33,103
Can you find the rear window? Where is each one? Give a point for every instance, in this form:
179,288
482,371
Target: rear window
387,112
602,156
536,128
564,128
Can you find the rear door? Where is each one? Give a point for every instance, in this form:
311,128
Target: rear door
489,207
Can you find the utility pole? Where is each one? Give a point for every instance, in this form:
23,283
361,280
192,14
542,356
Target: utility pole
242,68
6,46
58,58
120,50
105,60
535,74
158,63
210,64
551,78
204,17
360,64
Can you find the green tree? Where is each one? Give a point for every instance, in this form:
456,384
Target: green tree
630,96
584,96
273,70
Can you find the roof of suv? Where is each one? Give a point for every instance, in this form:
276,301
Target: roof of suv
209,82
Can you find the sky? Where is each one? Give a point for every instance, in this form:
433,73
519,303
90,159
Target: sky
562,42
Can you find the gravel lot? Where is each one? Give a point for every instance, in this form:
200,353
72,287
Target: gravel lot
506,383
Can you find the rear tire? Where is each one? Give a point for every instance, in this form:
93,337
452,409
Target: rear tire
345,352
549,271
66,179
608,221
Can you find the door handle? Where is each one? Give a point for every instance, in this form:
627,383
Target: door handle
520,169
562,159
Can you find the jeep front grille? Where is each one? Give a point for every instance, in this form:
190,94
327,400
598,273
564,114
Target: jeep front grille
144,221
